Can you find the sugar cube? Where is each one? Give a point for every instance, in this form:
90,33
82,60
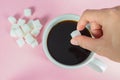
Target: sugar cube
35,32
34,43
13,30
37,24
15,25
27,12
13,33
30,24
12,19
26,28
19,32
75,33
29,38
20,42
21,22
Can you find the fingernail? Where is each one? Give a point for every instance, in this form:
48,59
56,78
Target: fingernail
74,42
80,27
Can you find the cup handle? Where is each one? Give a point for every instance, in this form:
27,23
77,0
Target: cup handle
97,65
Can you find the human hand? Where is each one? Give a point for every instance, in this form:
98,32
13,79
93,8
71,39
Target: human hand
105,27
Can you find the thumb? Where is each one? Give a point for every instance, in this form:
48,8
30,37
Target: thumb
91,44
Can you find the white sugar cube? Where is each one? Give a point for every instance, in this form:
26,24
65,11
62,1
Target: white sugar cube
13,30
19,32
12,19
27,12
35,32
13,33
21,22
26,28
29,38
30,24
75,33
16,31
20,42
37,24
34,44
88,26
15,26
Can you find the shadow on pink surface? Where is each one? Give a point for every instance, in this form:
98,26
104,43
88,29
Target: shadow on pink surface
43,21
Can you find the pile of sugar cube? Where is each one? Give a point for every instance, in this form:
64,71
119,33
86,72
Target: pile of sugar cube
25,32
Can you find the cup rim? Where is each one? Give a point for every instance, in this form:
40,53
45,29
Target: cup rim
45,36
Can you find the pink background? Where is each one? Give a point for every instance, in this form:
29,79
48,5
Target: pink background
28,63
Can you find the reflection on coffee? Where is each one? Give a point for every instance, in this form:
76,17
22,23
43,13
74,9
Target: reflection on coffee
59,45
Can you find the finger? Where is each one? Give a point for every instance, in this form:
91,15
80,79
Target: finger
97,33
96,30
87,17
87,43
95,26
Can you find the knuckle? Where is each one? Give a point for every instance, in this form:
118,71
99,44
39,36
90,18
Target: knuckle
113,12
86,11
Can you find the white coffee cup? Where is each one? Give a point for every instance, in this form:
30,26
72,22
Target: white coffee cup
90,61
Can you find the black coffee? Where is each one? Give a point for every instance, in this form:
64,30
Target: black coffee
59,45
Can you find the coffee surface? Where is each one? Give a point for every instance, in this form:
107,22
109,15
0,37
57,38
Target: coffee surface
59,45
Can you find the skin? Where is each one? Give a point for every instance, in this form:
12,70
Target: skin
105,27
